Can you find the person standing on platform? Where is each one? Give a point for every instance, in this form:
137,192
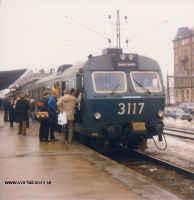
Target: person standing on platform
32,108
12,110
57,89
6,105
67,103
42,106
21,113
52,108
28,120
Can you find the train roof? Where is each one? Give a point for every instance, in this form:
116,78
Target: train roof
58,76
116,59
71,70
63,67
48,78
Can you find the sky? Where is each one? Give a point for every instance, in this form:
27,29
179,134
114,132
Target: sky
47,33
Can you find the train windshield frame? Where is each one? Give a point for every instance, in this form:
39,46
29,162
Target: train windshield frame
109,82
144,81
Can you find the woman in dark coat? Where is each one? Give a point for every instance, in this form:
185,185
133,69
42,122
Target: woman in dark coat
21,114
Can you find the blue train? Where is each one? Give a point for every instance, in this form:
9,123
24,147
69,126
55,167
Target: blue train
122,98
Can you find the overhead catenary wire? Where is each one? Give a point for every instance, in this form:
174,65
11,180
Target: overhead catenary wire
86,27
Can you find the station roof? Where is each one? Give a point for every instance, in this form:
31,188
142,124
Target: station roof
8,77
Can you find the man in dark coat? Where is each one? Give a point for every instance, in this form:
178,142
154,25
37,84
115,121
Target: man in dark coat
12,110
21,114
6,105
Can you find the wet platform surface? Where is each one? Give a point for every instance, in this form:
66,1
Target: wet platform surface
65,172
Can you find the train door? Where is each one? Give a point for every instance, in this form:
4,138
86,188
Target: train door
80,89
79,81
63,87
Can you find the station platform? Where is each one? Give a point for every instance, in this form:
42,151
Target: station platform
30,170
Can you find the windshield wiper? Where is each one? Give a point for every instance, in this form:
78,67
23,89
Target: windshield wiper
115,88
139,84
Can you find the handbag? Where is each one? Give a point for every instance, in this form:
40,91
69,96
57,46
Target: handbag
42,115
62,118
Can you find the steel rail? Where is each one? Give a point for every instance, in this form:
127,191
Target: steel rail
191,132
180,170
179,136
188,135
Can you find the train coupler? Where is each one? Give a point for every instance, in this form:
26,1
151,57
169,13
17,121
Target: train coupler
160,138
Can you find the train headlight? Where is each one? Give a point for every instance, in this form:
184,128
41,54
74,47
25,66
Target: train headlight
160,113
122,56
130,57
97,115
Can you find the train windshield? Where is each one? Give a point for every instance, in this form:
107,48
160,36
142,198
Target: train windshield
146,81
109,82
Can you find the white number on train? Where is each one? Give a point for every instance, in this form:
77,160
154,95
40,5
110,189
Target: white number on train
121,109
130,108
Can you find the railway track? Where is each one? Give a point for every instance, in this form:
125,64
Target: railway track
137,156
168,175
178,180
180,170
185,134
134,157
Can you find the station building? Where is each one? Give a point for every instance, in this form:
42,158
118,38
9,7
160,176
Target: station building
183,44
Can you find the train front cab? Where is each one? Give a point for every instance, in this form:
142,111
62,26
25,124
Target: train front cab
120,104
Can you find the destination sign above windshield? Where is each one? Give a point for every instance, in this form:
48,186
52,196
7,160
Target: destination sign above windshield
123,64
125,60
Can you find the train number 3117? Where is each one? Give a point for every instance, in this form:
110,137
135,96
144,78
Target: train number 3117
130,108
